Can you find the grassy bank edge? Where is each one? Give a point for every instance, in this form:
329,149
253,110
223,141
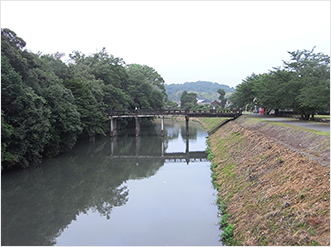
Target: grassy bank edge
210,124
316,132
223,172
225,225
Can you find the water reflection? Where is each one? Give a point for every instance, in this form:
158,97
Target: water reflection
38,204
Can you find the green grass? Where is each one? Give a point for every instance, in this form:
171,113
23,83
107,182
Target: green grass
227,228
317,132
315,116
322,116
212,123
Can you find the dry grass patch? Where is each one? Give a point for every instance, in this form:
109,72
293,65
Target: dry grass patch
274,195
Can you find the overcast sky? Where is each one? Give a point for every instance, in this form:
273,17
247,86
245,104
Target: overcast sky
184,41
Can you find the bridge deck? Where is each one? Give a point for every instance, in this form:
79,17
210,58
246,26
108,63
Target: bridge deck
113,115
172,113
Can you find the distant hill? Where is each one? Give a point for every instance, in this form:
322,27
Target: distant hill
204,89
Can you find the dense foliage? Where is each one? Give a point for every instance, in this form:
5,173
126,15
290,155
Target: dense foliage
48,104
204,89
302,85
188,100
221,97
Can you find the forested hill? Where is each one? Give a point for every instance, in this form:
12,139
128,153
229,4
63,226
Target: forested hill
204,89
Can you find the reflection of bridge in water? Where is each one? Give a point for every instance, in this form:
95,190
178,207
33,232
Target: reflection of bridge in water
171,157
186,156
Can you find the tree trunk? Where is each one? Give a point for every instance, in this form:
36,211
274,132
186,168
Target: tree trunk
276,112
304,115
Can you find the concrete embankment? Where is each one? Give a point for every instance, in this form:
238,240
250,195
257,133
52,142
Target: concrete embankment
275,181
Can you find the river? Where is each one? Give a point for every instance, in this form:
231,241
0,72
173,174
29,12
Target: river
147,190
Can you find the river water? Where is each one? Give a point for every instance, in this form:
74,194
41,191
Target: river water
128,190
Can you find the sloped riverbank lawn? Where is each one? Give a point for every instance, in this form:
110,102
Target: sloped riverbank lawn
274,188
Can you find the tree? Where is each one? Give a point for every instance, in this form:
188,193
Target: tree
12,47
116,98
188,100
221,97
65,120
47,105
311,83
244,94
146,87
103,66
96,83
26,120
91,117
315,97
271,90
54,63
303,84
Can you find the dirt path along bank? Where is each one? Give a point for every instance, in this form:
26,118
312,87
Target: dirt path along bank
275,181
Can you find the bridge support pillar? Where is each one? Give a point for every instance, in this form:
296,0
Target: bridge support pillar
138,141
137,126
186,125
162,126
113,146
113,127
162,147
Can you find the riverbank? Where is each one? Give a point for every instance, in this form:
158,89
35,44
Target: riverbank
274,180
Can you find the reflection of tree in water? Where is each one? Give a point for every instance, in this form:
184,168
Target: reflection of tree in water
116,198
38,204
178,128
193,133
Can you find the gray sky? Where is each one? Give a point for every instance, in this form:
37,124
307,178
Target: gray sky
218,41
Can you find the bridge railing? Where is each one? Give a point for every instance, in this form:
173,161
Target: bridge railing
169,112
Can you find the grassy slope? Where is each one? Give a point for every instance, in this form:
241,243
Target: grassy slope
275,195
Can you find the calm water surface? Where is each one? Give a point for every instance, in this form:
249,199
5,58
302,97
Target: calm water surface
117,191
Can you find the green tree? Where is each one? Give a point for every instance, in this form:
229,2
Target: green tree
188,100
102,66
315,97
244,94
54,63
271,90
116,98
12,48
92,118
65,120
311,83
171,104
26,120
303,84
47,105
221,97
146,87
96,89
104,71
8,157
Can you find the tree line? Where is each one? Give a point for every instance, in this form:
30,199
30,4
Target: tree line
47,105
204,89
302,84
189,100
